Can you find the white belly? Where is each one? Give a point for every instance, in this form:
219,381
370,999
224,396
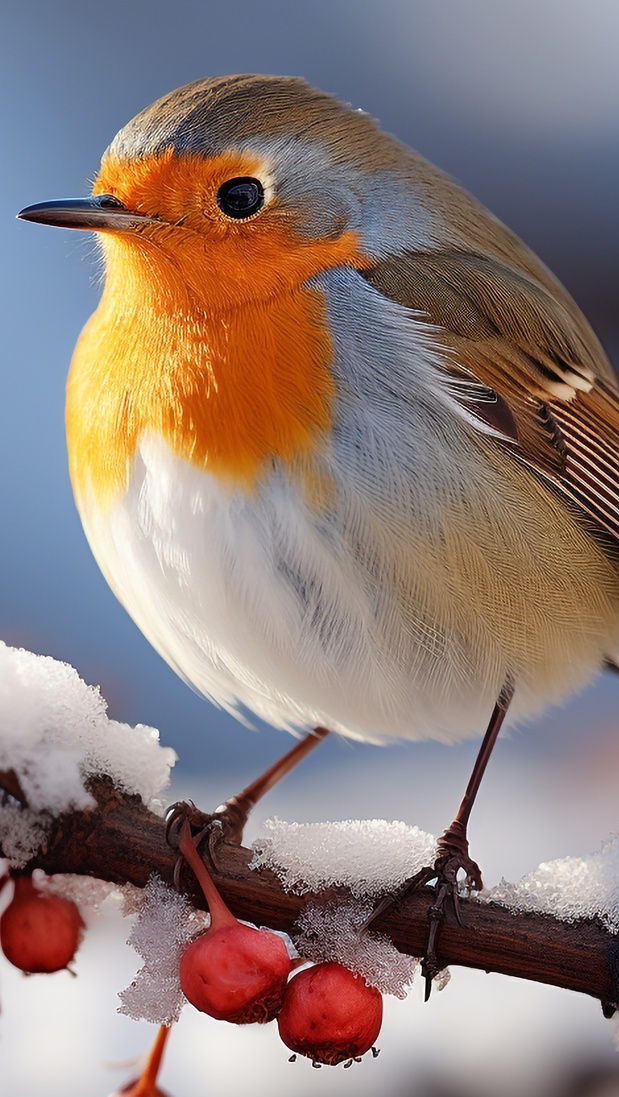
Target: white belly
364,619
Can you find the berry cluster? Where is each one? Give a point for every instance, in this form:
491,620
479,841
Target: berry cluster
236,973
232,972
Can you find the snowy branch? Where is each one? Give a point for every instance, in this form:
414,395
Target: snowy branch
122,841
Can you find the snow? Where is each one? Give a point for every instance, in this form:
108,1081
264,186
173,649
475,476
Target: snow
88,893
369,856
165,925
569,888
21,832
55,734
372,857
330,931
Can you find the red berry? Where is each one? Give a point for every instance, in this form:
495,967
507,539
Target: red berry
38,932
232,972
236,973
329,1014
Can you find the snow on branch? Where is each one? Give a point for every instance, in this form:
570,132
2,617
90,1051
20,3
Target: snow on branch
123,841
79,794
54,734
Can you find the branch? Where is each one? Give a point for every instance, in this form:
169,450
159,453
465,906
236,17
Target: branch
124,842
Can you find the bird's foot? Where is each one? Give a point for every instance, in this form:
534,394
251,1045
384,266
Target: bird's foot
452,859
226,823
201,825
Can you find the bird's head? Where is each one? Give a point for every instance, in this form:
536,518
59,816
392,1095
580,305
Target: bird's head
217,208
234,189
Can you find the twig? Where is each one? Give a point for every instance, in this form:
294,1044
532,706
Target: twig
122,841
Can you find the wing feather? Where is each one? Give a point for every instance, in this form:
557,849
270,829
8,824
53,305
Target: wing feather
528,365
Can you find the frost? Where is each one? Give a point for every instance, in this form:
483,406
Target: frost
87,892
369,856
21,832
331,932
165,924
54,734
569,888
372,857
90,894
441,979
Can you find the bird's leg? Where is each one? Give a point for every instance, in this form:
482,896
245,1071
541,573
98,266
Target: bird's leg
452,855
453,844
236,810
232,815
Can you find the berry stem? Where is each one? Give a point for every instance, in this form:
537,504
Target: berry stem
145,1086
220,914
24,888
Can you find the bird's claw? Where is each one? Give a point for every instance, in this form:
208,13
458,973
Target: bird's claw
202,826
452,858
180,812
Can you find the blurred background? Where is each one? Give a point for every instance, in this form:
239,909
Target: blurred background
519,101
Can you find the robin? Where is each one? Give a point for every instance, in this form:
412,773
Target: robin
343,447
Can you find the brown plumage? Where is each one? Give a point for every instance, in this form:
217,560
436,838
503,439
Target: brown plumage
507,333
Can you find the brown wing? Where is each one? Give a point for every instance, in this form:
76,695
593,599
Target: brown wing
537,372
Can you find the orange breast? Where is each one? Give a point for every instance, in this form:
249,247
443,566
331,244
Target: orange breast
225,397
228,387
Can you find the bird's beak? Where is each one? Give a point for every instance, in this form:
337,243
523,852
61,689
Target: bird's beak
103,211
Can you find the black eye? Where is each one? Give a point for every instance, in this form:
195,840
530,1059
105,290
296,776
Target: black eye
108,201
240,197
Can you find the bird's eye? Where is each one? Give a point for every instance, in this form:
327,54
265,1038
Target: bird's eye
108,201
240,198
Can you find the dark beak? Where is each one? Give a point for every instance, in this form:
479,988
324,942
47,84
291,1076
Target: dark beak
100,212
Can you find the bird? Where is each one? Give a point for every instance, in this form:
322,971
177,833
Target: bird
342,446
